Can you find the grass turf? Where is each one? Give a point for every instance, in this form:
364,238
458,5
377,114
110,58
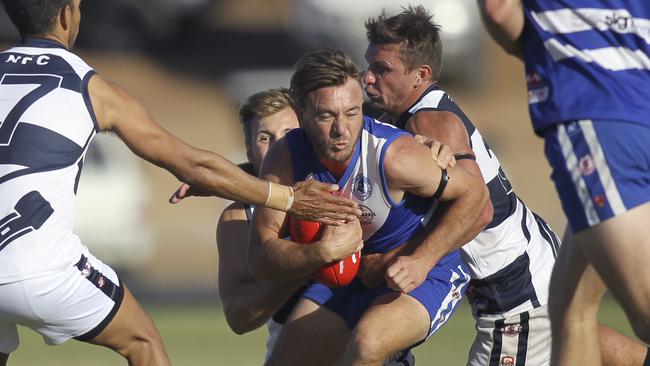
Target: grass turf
198,335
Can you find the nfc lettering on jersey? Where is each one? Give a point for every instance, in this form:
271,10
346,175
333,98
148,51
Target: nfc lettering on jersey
24,60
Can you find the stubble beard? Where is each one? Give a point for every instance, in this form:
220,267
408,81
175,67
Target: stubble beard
341,156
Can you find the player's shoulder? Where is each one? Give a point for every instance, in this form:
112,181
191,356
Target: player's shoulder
234,211
444,126
403,149
278,162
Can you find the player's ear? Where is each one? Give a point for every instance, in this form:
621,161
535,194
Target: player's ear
423,74
65,17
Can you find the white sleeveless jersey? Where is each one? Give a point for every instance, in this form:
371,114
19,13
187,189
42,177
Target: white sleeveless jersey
46,125
511,260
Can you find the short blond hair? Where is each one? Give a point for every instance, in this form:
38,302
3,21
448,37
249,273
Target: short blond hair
260,105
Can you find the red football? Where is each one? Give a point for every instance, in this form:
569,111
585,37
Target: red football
336,274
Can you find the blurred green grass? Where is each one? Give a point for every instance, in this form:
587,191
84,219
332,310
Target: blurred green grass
198,335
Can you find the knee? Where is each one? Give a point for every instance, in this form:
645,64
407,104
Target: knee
581,302
367,348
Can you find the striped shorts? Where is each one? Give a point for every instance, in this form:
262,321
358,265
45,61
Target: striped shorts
78,302
523,339
601,169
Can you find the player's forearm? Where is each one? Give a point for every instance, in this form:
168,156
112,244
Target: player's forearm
281,260
504,21
212,173
251,305
460,221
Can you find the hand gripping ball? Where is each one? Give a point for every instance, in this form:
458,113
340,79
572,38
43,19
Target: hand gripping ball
335,274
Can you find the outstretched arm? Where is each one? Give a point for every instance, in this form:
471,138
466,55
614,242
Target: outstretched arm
273,258
504,20
208,172
410,169
247,302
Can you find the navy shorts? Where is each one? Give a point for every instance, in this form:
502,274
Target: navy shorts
601,169
440,294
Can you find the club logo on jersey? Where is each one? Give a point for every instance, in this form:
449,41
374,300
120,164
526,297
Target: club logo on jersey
586,165
511,330
507,361
367,215
537,88
100,282
361,187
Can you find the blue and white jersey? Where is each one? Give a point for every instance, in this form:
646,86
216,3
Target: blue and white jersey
587,59
46,124
510,261
385,224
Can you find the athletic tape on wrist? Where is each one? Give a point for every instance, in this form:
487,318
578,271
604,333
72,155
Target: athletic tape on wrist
280,198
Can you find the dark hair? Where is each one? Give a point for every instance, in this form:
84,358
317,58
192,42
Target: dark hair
260,105
34,17
415,32
320,69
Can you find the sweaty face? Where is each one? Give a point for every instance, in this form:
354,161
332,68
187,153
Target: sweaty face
332,119
267,130
388,85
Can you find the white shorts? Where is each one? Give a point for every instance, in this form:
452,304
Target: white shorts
77,302
505,342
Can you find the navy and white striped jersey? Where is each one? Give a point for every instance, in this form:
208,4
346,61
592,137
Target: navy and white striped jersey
385,224
587,59
510,261
46,125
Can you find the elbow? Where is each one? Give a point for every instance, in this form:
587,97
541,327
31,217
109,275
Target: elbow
237,321
498,12
487,215
239,327
504,20
487,211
